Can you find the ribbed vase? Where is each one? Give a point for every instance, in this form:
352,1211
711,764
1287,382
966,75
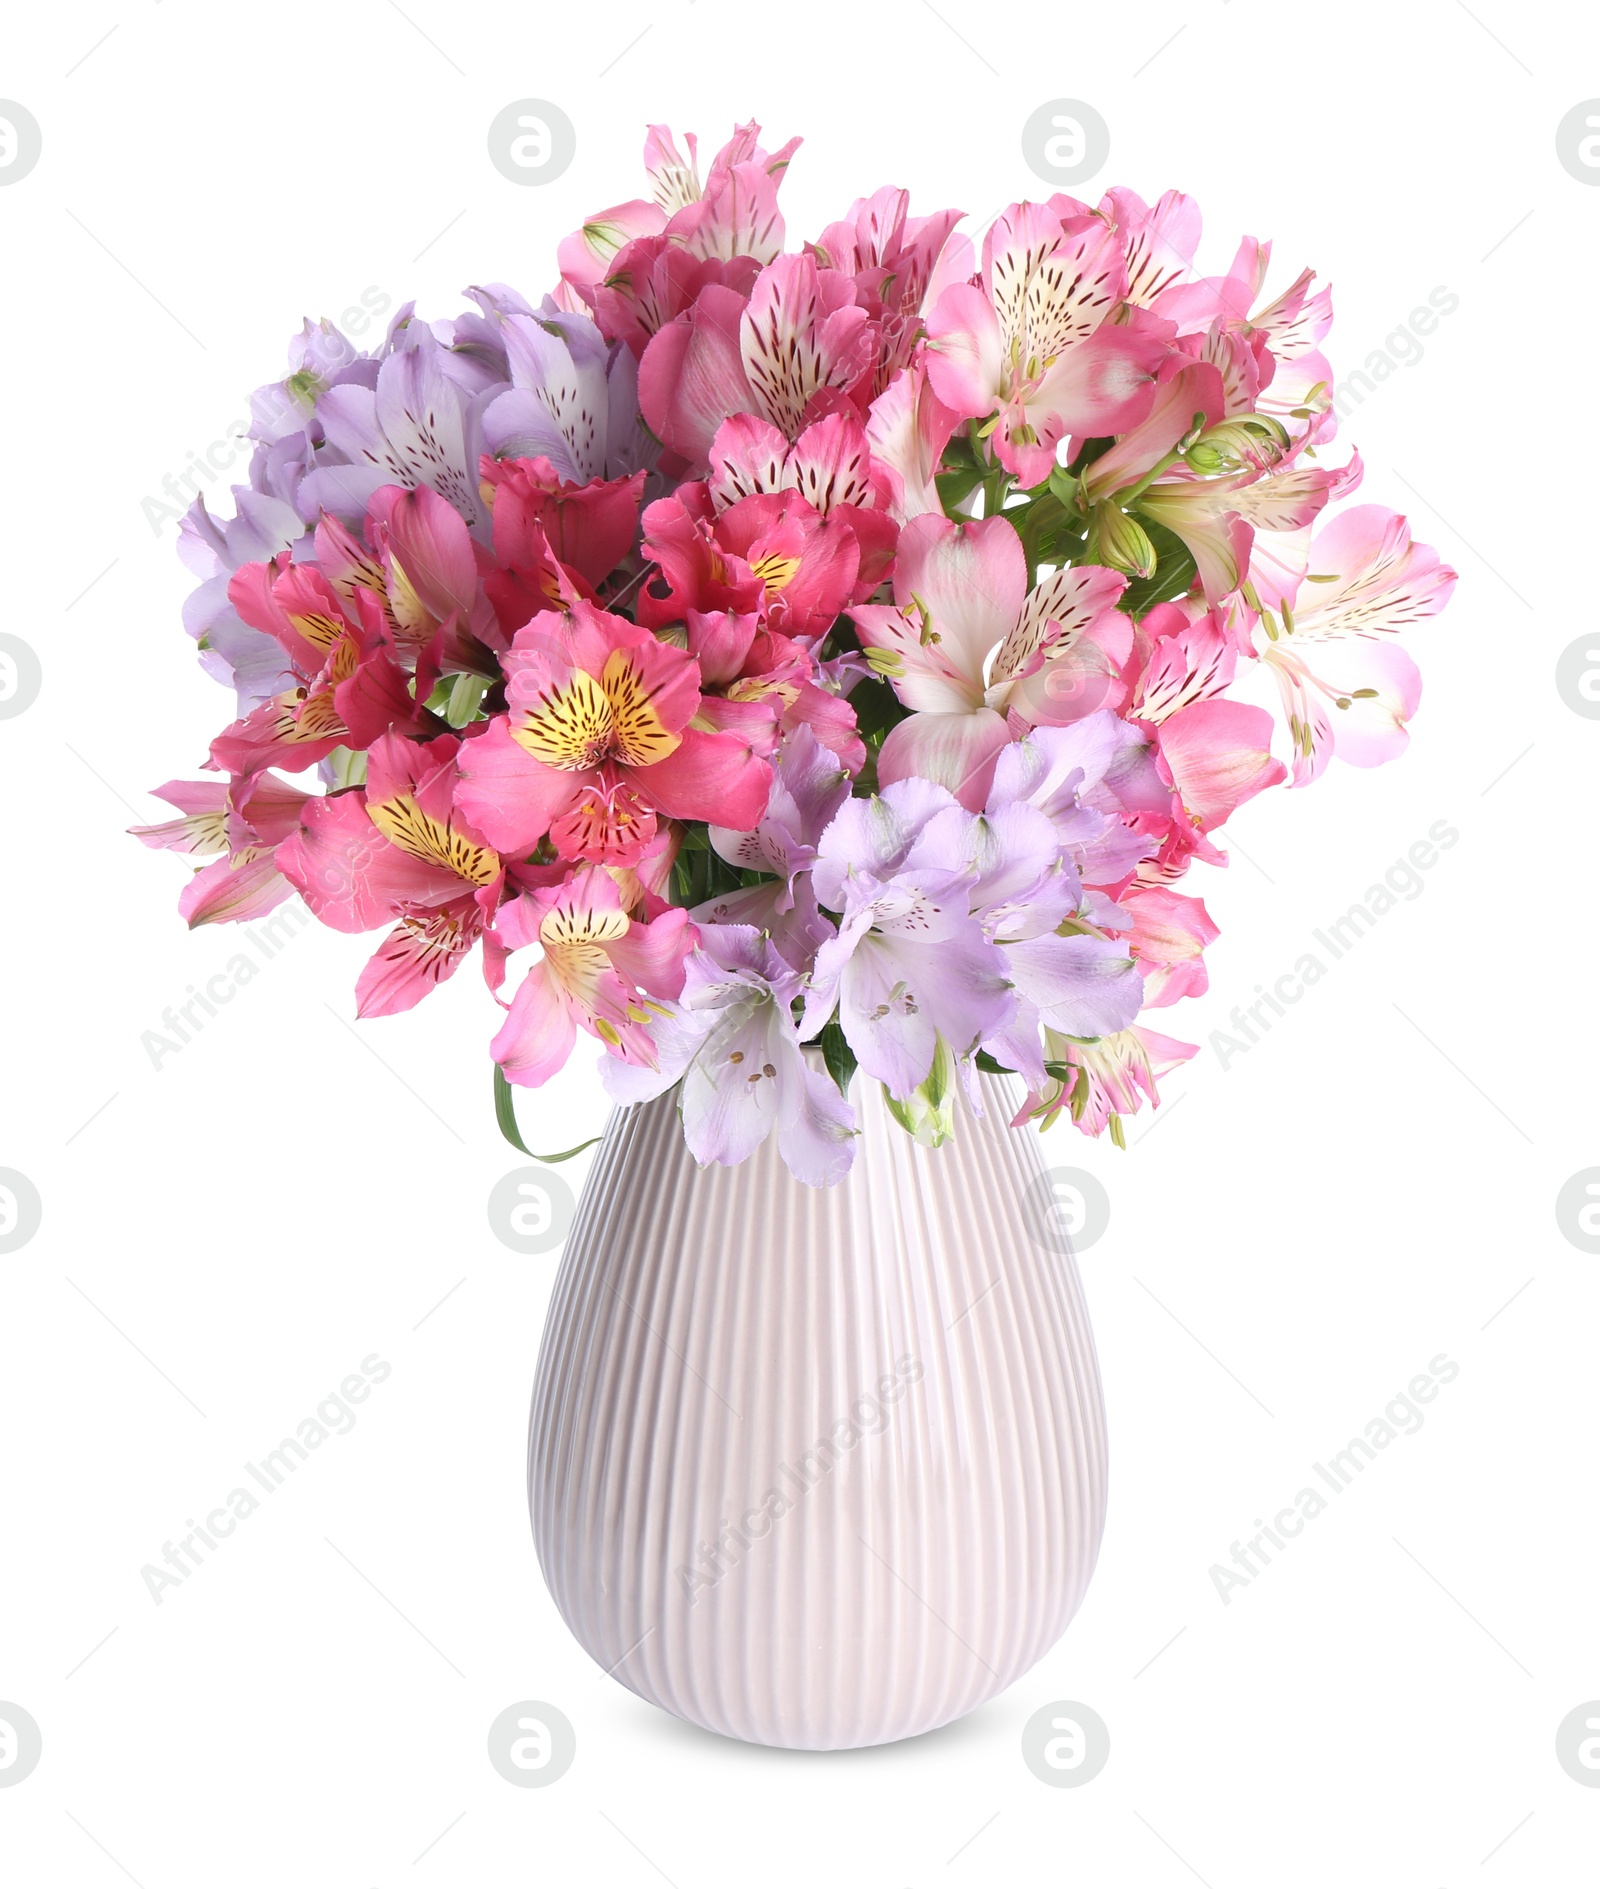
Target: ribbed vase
818,1467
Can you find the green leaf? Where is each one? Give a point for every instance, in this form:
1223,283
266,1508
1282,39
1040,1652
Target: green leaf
990,1067
956,487
877,707
837,1054
505,1113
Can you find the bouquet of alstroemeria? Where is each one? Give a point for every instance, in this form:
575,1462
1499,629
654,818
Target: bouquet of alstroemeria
757,651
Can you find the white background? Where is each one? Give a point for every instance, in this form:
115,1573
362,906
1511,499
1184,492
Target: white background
232,1233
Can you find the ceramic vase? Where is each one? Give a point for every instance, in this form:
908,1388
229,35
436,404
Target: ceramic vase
818,1468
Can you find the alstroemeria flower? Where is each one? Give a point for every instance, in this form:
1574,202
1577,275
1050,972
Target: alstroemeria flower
790,353
1030,903
961,589
772,552
597,739
1169,934
831,468
398,849
908,428
808,788
244,819
589,527
910,966
731,1040
1084,779
1105,1080
347,689
573,398
734,214
898,262
599,969
1339,602
1218,755
1036,341
412,424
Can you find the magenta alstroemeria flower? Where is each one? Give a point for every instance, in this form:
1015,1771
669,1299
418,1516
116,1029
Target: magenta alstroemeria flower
731,1040
830,466
961,589
733,214
400,851
899,263
1035,340
599,969
347,686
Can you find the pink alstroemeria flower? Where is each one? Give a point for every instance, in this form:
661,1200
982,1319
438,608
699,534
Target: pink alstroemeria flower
243,819
398,849
1105,1080
1339,602
1218,755
1035,340
1170,931
791,352
598,969
597,739
734,214
961,589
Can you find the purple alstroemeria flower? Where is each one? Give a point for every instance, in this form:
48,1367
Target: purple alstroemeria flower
731,1039
1082,777
910,965
1022,892
573,398
809,786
